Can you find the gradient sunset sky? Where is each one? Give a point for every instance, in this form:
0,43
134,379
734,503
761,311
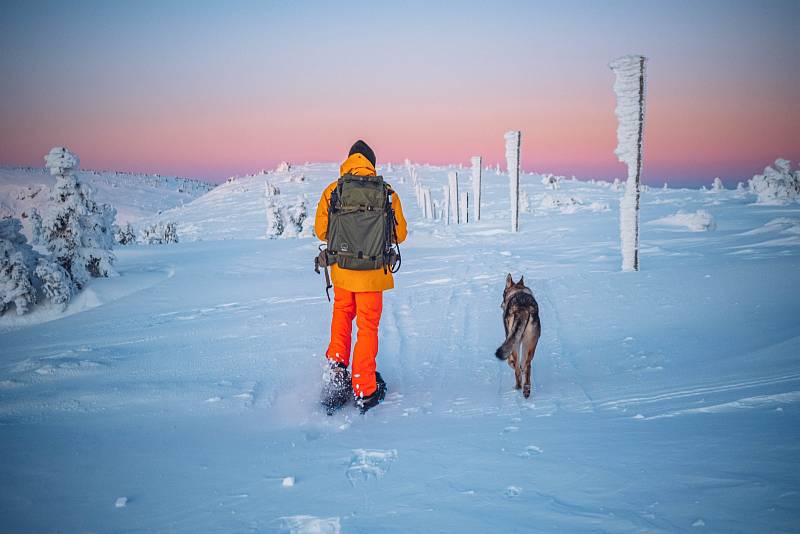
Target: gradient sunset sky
214,89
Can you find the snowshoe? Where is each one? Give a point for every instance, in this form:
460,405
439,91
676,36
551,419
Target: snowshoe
337,388
365,403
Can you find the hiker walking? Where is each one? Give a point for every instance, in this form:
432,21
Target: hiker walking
361,221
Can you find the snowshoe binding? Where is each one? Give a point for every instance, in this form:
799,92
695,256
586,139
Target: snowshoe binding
365,403
337,387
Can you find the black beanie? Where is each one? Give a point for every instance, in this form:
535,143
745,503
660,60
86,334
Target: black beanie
360,147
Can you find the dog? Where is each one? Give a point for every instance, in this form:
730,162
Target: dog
523,329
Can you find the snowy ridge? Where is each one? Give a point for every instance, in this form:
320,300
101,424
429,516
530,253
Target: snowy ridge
135,196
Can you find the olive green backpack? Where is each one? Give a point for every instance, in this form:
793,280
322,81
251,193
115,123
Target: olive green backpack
362,233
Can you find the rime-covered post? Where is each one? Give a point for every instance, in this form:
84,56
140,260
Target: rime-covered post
463,204
512,164
629,87
445,209
429,204
476,188
453,214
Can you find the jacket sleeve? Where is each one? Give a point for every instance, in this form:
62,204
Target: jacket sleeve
321,218
402,228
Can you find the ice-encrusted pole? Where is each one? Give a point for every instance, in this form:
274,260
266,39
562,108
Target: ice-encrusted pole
463,204
476,188
512,165
453,211
429,213
629,87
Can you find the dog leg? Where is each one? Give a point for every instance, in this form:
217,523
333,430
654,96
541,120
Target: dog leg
529,353
514,362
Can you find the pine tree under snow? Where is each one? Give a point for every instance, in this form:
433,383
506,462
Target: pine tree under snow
78,232
36,228
17,263
125,235
159,233
777,185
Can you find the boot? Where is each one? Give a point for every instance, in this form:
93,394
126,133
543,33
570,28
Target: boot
336,387
365,403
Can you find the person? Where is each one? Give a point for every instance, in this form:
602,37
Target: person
357,294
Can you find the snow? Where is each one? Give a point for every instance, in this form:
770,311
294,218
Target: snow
659,400
699,221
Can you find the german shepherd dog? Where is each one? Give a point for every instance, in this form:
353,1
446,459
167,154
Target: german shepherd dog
523,328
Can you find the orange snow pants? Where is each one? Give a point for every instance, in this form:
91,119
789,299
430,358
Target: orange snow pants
366,308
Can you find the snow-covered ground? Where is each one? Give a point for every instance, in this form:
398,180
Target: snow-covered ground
135,196
182,395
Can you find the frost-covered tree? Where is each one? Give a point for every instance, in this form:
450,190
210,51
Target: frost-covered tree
629,88
56,283
275,224
36,227
777,185
125,235
297,214
17,263
78,232
717,186
159,233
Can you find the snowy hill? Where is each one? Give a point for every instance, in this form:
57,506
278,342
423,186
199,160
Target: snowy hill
182,394
133,195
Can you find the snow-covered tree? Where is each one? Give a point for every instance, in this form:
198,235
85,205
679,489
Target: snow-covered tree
629,88
17,262
125,235
275,224
551,181
77,231
56,283
159,233
36,227
512,165
716,185
777,185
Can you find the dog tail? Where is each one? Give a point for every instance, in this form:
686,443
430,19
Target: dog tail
504,350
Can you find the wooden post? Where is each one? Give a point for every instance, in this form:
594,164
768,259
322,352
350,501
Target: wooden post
453,212
513,140
476,187
629,87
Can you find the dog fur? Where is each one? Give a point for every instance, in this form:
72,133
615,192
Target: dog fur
523,328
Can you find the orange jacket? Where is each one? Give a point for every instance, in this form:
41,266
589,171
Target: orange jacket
358,281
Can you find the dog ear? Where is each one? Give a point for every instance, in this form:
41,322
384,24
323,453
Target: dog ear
520,283
509,281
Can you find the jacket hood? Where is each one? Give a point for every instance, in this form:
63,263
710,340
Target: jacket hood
357,165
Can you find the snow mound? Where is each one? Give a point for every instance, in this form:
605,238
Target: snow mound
308,524
699,221
569,204
778,185
366,464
